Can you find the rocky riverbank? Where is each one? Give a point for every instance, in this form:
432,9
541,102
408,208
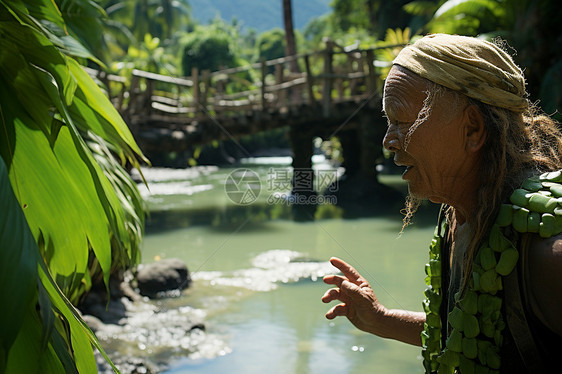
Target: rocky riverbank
143,334
138,334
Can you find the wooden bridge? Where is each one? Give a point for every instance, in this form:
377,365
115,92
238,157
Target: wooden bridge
333,92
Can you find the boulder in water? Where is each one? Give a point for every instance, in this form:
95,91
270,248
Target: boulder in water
162,276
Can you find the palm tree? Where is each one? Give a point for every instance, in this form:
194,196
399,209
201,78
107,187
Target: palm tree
159,18
290,45
70,211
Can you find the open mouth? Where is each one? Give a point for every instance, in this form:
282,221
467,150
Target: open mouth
405,167
406,170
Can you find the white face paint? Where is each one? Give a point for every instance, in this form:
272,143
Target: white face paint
435,156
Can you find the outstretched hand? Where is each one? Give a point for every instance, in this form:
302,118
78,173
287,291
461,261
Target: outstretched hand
358,300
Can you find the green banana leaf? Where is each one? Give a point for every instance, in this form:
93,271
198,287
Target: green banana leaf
18,266
52,169
30,341
71,209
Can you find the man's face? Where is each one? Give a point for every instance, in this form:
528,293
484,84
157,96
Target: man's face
435,155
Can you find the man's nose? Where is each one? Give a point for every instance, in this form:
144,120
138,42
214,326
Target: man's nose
391,139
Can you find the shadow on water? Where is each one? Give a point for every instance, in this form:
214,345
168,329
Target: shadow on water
354,200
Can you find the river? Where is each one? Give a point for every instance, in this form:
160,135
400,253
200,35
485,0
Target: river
257,274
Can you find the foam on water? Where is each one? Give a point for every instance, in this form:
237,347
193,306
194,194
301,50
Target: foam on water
155,174
154,333
150,329
171,188
270,268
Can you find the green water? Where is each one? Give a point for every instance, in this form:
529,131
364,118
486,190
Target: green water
279,327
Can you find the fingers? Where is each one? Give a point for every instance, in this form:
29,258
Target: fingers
331,295
337,311
349,274
336,280
346,292
347,270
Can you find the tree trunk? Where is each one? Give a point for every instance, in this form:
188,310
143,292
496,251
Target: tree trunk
290,45
372,10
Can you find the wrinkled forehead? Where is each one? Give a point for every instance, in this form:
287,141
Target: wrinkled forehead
403,88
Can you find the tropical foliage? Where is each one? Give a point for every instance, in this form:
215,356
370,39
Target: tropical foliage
374,16
74,214
148,55
271,44
131,20
529,26
208,47
395,39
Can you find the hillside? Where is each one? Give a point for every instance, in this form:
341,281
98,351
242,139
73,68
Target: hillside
258,14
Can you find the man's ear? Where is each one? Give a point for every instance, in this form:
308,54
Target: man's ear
475,130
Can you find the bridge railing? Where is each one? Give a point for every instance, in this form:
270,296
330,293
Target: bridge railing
319,79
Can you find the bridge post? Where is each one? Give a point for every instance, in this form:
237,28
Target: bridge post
303,174
328,76
148,95
371,130
206,78
309,81
195,80
372,77
354,64
133,94
279,78
263,75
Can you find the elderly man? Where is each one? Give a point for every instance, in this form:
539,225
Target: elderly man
460,122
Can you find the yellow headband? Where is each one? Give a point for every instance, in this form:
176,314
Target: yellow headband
477,68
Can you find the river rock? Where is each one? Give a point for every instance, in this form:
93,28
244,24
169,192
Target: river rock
112,312
162,276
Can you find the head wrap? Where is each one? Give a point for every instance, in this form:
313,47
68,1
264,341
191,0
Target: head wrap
479,69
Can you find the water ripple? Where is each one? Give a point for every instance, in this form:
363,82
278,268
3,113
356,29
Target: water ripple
270,269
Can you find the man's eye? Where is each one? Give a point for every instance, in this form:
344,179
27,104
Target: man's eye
403,125
400,124
396,123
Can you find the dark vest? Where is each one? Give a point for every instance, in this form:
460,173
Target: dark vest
541,348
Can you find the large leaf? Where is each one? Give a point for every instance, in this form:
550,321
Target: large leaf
27,355
18,265
467,16
80,334
20,49
71,205
43,9
37,50
92,103
59,193
26,334
129,196
61,178
44,16
83,21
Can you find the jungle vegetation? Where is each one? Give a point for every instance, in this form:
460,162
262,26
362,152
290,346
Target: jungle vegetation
71,215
